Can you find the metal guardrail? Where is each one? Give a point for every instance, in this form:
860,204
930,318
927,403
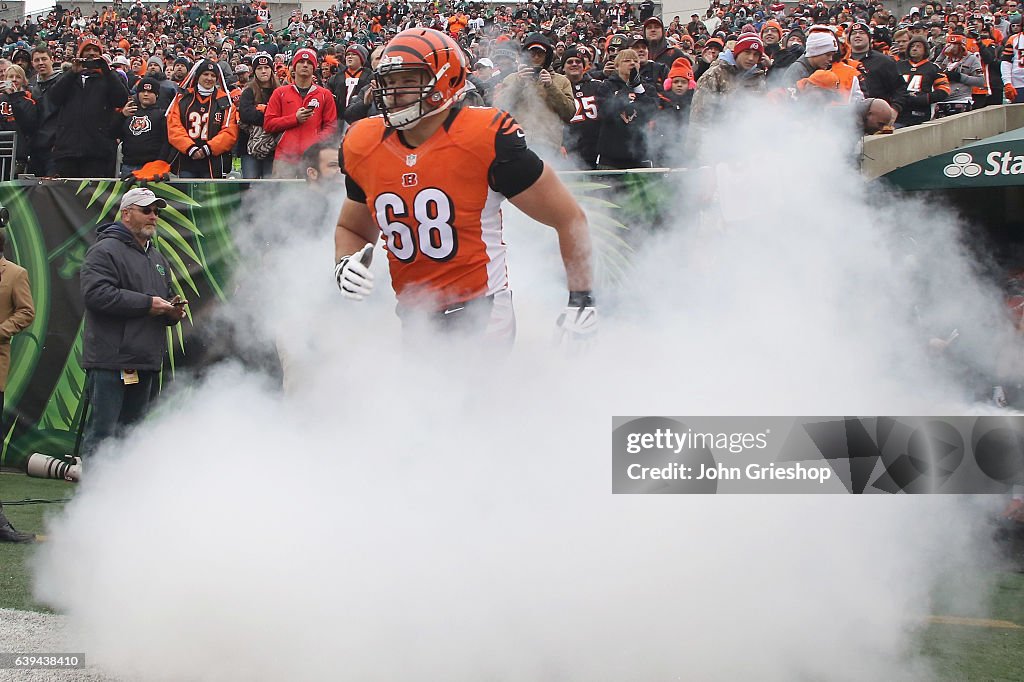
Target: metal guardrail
8,155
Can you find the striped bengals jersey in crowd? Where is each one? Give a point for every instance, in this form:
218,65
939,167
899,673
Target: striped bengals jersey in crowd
438,204
1012,66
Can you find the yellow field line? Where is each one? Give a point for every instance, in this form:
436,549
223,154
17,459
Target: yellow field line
975,622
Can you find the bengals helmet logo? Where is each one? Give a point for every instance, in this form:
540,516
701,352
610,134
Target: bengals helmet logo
140,125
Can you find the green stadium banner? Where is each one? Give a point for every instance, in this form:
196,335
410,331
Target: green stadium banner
996,161
53,223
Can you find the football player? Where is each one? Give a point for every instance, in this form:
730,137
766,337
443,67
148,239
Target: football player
431,175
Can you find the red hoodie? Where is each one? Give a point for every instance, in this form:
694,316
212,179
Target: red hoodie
280,116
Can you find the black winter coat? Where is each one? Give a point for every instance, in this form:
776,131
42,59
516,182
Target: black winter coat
119,280
47,112
625,122
883,80
84,114
18,113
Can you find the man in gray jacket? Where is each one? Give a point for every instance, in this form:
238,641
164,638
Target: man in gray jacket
818,51
126,284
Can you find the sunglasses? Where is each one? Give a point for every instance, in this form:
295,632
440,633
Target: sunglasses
147,210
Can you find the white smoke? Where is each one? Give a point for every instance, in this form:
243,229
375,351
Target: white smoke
448,516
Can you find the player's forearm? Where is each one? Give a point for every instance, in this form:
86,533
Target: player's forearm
574,244
347,242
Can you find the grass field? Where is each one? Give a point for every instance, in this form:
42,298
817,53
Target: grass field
962,649
15,590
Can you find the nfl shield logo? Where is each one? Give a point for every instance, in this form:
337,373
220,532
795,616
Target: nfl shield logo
410,160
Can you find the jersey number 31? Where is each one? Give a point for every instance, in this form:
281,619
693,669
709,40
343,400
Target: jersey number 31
431,234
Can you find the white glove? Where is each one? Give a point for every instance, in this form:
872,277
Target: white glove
353,274
579,321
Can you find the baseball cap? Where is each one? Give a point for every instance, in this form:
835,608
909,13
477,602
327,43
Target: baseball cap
483,63
140,196
241,68
653,20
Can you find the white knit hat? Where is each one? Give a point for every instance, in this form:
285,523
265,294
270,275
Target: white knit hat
819,43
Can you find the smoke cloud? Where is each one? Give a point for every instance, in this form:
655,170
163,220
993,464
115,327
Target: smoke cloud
397,515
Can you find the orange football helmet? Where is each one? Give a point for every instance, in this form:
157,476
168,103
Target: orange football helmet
437,66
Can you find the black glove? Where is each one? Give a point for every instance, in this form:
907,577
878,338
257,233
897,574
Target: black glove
954,76
634,77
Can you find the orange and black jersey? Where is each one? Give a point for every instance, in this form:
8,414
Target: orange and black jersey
438,205
926,85
580,136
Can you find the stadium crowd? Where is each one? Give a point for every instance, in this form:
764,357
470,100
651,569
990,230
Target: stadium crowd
197,88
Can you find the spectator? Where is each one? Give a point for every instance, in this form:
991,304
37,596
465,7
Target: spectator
303,111
1012,66
626,106
42,141
155,70
179,70
142,128
582,133
926,84
202,124
251,107
651,72
86,98
660,50
126,286
605,68
486,77
674,116
964,70
23,58
320,167
881,78
241,76
18,114
122,67
736,70
821,47
771,35
712,50
540,100
900,41
354,78
876,115
362,104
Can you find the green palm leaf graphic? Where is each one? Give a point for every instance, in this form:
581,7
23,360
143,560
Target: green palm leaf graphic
67,394
611,251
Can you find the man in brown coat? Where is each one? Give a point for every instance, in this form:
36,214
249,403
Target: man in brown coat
16,313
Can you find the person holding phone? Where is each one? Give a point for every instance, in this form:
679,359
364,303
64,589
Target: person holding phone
126,286
303,112
86,98
539,98
18,112
625,107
